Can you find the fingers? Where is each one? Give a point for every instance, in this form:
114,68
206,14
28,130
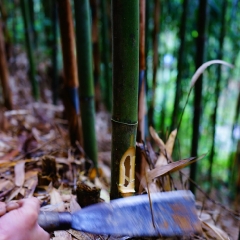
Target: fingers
22,217
32,203
11,206
4,208
29,210
29,205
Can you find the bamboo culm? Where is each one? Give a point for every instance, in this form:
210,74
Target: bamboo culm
85,71
125,37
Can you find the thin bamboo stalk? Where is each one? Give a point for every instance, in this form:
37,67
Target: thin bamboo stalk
178,91
217,88
96,52
71,100
155,59
140,161
4,74
200,48
29,47
106,56
85,70
55,82
7,39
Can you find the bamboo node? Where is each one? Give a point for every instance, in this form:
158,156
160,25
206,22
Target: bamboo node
124,123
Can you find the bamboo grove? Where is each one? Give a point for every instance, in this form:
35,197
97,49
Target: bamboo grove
135,59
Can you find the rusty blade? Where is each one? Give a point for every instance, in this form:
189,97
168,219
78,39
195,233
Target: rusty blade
174,214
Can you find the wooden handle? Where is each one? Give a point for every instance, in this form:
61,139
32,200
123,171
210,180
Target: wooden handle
51,221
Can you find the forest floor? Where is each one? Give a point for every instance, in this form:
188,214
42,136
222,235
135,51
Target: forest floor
36,159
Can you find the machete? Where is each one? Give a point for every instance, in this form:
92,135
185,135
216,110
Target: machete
168,214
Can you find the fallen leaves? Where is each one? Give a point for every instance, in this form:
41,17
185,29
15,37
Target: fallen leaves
169,168
19,172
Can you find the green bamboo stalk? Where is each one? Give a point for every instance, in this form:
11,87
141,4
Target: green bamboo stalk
181,52
217,88
106,56
32,22
47,6
96,52
125,37
29,47
85,71
200,53
155,60
55,82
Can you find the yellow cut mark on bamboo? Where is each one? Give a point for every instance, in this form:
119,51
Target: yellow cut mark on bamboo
127,172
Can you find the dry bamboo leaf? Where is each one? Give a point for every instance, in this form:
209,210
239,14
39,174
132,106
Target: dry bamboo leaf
10,155
169,168
5,186
155,137
31,185
16,112
74,206
160,144
8,164
152,188
81,235
13,194
56,200
30,174
205,217
219,234
22,191
164,157
19,172
202,68
62,235
104,194
161,161
170,142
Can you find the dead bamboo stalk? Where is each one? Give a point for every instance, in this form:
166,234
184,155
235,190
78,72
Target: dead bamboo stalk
140,160
4,74
71,98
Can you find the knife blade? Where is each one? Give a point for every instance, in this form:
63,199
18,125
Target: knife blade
170,214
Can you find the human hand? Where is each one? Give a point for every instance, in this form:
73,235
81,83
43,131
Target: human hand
20,221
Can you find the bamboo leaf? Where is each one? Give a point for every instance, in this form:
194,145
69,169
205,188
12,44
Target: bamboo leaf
170,142
169,168
218,233
5,185
74,206
202,68
156,138
172,167
56,200
62,235
19,171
